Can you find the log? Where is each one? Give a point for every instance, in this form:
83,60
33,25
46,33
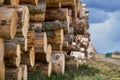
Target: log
58,62
30,38
1,2
73,48
13,73
35,2
53,5
44,57
39,8
28,57
12,62
2,70
65,45
58,47
50,26
11,49
1,50
37,17
68,3
23,20
24,72
8,23
44,68
11,2
37,27
40,42
60,14
69,38
55,37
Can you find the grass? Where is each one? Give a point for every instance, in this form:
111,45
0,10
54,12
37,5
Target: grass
93,70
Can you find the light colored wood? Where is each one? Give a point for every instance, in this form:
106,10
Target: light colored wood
13,73
24,72
1,50
58,62
35,2
23,19
37,17
28,57
37,27
8,22
51,26
60,14
44,68
55,37
12,49
2,70
11,2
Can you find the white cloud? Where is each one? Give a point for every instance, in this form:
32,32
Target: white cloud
105,36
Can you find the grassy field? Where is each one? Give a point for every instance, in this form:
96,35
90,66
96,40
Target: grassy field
93,70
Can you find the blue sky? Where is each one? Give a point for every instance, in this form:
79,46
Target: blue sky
104,18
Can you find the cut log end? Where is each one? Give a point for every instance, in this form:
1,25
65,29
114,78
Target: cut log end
49,52
32,56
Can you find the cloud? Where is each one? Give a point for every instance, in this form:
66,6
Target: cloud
98,16
109,6
105,36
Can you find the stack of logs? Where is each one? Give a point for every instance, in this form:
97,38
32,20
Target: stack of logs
40,35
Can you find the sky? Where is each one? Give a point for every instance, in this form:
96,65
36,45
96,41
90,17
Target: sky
104,18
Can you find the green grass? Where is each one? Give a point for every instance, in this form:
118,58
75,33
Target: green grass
93,70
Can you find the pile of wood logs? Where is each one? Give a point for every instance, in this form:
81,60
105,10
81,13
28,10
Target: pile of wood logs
41,36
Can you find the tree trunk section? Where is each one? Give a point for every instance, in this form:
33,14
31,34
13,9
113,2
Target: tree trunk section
53,5
24,72
11,2
35,2
50,26
12,49
58,62
1,50
60,14
1,2
37,17
13,73
2,70
65,45
8,23
44,68
55,37
37,27
44,57
28,57
56,47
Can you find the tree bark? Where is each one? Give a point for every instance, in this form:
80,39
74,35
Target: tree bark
35,2
37,17
24,72
58,62
44,68
51,26
12,49
53,5
23,20
11,2
37,27
44,57
58,47
60,14
55,37
65,45
68,3
28,57
13,73
8,23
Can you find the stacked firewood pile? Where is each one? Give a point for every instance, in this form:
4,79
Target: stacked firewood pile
42,36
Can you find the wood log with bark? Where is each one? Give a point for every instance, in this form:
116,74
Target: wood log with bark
58,62
68,3
53,5
23,19
58,47
35,2
8,23
2,70
28,57
55,37
65,45
60,14
11,2
37,27
13,73
1,2
44,68
51,26
44,57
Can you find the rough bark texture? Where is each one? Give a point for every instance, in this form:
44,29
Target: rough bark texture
11,2
55,37
44,68
50,26
58,62
53,5
35,2
8,22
